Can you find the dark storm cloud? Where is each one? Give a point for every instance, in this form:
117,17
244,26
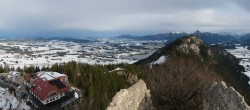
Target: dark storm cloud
125,15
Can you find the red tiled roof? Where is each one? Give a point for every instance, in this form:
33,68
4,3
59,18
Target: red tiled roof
43,88
27,77
63,89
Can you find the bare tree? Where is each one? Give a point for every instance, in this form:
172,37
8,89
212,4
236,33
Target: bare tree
179,84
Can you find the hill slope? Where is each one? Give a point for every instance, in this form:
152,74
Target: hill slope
203,64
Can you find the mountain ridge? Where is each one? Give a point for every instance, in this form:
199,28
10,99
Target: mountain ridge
207,37
192,50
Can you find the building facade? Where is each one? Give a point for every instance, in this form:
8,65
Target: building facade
50,90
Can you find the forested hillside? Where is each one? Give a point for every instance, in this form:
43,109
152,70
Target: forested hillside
97,82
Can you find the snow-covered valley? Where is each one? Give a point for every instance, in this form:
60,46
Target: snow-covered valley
20,53
242,53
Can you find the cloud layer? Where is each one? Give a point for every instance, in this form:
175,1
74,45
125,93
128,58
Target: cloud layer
125,16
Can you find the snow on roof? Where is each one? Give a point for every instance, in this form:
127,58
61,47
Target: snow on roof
76,95
13,73
49,75
55,74
45,76
2,90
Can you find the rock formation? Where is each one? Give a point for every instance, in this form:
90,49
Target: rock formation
191,43
136,97
221,97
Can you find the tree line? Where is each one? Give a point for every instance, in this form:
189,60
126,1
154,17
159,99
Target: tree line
97,84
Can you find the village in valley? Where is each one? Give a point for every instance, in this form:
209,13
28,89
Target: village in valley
52,90
20,53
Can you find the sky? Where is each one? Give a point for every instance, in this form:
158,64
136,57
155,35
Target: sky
117,17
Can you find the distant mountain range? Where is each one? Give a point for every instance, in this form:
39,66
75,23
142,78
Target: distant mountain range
207,37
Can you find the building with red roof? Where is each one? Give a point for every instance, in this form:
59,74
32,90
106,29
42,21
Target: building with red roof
49,91
46,90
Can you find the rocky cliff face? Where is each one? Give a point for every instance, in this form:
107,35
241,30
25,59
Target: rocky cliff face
136,97
192,43
221,97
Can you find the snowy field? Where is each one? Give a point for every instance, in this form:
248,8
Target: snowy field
46,53
244,54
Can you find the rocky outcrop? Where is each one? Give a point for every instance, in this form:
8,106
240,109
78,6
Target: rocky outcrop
221,97
192,43
136,97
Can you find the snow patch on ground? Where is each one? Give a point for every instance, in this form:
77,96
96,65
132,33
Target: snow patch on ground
246,64
161,60
242,53
23,106
8,100
117,69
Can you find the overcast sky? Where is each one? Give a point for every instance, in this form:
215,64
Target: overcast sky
114,17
